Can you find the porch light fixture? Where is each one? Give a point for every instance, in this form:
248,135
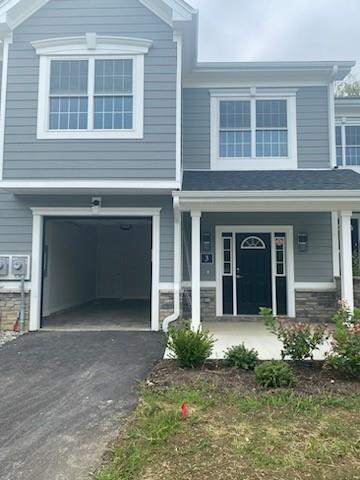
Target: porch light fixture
206,242
303,242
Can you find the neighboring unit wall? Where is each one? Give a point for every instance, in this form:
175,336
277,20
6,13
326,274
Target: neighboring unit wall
312,127
71,266
314,265
151,158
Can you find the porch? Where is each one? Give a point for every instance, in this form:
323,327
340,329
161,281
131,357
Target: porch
283,249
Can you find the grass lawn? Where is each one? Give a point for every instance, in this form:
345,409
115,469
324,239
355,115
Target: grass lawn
278,435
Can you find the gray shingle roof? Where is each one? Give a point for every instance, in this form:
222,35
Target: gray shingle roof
271,180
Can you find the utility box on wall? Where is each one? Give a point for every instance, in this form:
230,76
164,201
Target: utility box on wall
13,267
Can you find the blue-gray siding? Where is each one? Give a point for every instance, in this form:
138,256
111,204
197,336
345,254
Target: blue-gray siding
312,128
16,221
150,158
315,265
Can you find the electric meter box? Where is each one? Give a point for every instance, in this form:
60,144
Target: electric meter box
4,266
19,266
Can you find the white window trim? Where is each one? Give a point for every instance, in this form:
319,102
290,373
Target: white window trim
343,123
91,47
253,162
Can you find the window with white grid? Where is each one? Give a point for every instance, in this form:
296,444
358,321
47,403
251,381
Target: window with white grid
113,100
68,95
250,128
348,145
271,128
91,93
235,129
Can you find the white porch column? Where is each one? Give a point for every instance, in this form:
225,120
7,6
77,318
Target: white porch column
347,289
195,270
335,243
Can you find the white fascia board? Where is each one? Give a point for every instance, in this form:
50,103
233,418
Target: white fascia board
287,201
261,194
217,75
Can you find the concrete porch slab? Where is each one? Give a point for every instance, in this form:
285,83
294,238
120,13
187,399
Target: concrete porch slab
253,335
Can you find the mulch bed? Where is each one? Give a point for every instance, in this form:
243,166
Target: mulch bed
312,378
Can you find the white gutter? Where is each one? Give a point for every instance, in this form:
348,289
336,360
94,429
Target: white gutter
271,194
177,267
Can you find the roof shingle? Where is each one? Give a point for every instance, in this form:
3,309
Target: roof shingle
270,180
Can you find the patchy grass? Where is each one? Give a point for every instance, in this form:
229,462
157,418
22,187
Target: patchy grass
275,436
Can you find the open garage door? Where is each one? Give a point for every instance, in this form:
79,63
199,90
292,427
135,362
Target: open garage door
97,273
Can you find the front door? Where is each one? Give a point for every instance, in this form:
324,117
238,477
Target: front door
253,272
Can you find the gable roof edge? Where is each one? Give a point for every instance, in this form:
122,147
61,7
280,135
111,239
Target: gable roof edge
169,11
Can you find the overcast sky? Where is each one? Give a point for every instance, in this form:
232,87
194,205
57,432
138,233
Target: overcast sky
247,30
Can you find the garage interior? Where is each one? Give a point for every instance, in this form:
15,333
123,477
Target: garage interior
97,274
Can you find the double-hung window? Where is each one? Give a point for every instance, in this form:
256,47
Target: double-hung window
348,145
271,128
253,132
95,91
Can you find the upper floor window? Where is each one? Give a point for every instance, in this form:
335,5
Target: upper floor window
92,90
253,133
348,145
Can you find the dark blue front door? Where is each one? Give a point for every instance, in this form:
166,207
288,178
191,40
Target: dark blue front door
253,272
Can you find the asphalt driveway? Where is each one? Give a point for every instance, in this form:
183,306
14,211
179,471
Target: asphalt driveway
62,398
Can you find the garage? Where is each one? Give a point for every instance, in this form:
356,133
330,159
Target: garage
96,273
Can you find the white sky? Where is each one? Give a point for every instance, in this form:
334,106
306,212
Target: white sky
247,30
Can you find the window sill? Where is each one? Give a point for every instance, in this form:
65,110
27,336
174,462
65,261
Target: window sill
90,135
254,163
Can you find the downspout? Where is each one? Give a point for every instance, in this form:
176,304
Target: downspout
177,266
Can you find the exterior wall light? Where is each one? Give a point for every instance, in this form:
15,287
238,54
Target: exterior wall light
303,242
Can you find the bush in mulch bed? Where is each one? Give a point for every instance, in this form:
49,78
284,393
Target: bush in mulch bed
312,377
345,354
299,339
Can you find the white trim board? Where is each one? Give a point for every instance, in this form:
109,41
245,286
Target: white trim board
169,286
290,262
88,186
314,286
39,213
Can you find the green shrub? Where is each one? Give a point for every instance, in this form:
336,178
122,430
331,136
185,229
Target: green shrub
345,354
356,264
190,348
299,339
241,357
274,374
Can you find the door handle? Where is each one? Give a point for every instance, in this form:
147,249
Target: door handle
239,276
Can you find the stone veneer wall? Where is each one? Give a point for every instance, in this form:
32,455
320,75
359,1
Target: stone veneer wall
166,304
316,306
9,310
357,291
310,306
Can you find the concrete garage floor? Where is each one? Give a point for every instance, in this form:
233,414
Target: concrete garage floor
102,315
62,398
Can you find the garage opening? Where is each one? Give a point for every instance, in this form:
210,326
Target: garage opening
96,273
